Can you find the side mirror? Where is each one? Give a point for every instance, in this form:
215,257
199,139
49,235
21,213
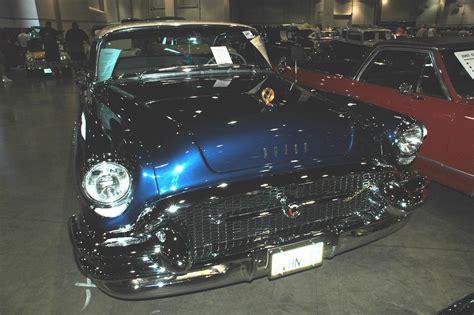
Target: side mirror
282,65
405,89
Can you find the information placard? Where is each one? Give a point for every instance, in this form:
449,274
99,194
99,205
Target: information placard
466,58
221,54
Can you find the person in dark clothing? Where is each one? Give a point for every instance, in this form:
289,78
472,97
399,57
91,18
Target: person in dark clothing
3,74
4,44
75,39
49,36
422,32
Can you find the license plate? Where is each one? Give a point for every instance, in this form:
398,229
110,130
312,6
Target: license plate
47,71
293,258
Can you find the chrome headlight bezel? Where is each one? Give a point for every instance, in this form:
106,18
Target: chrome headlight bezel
119,175
408,139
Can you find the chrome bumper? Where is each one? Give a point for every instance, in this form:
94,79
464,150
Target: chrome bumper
239,269
398,202
43,64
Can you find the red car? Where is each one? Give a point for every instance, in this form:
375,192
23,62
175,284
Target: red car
431,79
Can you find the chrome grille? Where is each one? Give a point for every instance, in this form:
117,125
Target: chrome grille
232,224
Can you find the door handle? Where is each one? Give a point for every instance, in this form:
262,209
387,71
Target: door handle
418,97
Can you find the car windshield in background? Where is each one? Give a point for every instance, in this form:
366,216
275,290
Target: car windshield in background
305,33
181,48
376,35
458,73
35,44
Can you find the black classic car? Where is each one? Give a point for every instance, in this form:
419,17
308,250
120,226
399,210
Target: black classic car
35,57
302,43
356,40
197,166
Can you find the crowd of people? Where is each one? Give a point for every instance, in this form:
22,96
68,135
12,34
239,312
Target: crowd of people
74,40
425,31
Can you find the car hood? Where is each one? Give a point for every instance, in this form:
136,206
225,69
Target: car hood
229,123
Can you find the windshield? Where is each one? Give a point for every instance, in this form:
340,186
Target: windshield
372,35
35,44
305,33
184,47
457,63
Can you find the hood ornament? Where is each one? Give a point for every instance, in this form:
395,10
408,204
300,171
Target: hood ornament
268,95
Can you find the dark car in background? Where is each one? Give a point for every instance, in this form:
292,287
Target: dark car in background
303,43
356,40
35,57
198,166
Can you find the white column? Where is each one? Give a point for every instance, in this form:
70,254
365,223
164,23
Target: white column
328,13
226,10
169,8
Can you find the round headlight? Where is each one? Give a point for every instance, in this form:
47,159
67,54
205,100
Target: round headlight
107,183
409,140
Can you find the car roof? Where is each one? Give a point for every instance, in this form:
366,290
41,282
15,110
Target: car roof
363,28
150,23
431,42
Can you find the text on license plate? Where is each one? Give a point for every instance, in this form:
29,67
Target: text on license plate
290,259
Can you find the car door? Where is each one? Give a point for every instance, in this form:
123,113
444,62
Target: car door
431,104
407,81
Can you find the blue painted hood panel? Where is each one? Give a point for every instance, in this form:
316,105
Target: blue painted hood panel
253,137
233,128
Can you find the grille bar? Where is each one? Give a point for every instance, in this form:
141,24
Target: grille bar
222,226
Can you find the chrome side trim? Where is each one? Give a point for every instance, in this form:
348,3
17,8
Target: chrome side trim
448,168
148,24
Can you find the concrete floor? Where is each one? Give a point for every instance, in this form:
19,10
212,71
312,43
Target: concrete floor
418,270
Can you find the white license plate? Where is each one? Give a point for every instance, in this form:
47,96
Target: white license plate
47,71
294,258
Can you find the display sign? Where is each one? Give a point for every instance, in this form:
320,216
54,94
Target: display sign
107,60
222,83
221,54
466,58
248,34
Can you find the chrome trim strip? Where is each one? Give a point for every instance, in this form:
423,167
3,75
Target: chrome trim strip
448,168
145,24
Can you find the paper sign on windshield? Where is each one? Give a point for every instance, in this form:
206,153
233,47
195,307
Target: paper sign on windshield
248,34
466,58
221,54
107,60
222,83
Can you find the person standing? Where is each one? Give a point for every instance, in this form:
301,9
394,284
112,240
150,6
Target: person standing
422,32
75,39
3,74
49,37
22,40
3,59
432,32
